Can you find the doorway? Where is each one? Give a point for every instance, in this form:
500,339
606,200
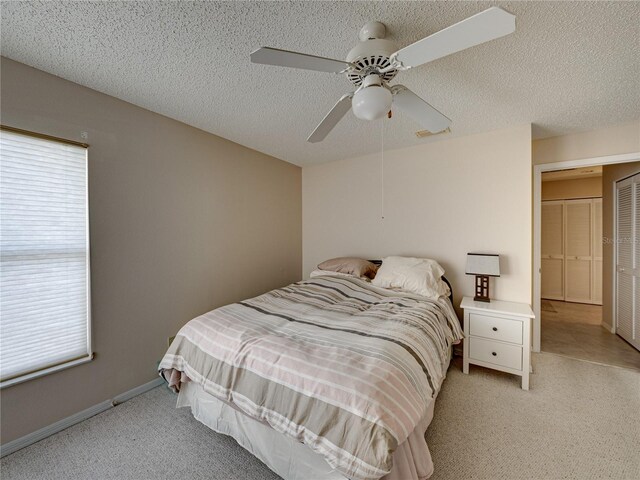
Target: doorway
574,280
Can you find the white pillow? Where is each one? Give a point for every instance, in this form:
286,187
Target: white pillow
415,275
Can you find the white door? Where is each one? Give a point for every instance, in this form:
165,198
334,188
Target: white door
552,255
596,269
628,259
578,240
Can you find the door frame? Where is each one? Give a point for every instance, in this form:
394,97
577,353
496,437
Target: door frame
537,212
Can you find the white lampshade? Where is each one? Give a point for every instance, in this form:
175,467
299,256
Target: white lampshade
371,103
483,264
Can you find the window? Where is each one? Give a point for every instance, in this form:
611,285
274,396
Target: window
44,256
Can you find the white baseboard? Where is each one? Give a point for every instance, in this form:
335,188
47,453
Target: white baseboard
134,392
608,327
18,443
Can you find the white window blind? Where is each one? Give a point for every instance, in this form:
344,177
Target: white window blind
44,278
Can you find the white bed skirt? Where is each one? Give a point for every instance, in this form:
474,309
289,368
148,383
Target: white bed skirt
289,458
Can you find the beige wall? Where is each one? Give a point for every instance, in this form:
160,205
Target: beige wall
596,143
441,200
181,221
611,174
568,189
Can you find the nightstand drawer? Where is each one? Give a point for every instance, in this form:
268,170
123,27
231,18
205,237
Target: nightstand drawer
495,328
509,356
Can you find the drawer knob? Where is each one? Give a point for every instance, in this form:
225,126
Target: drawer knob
494,354
495,329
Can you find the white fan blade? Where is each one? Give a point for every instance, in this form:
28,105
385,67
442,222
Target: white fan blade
488,25
423,113
285,58
331,119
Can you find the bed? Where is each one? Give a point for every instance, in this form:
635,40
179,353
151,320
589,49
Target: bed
325,379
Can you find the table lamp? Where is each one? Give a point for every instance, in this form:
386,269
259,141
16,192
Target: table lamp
483,266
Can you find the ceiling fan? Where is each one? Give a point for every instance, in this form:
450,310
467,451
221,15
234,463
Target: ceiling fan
375,61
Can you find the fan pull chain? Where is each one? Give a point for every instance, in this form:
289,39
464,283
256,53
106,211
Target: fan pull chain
382,169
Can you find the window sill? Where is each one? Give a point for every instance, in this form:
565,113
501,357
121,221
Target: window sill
40,373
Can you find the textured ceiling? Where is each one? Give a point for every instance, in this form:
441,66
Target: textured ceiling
570,66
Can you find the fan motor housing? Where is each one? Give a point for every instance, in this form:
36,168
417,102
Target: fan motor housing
369,57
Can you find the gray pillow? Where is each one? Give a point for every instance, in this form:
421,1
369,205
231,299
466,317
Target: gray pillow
358,267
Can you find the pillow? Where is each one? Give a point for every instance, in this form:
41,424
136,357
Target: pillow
415,275
358,267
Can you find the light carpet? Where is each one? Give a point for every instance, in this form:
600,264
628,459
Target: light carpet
580,420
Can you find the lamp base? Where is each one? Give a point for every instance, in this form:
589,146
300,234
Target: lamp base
482,289
481,299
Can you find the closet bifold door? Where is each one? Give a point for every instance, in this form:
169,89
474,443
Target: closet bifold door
628,260
552,252
578,270
596,270
636,262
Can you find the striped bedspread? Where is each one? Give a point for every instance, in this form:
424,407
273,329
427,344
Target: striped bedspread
347,368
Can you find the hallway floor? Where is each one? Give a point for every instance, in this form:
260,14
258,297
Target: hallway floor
573,329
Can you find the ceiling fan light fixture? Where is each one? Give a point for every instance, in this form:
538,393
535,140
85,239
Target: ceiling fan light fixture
372,101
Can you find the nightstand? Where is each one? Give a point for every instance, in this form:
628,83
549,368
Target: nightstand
498,336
